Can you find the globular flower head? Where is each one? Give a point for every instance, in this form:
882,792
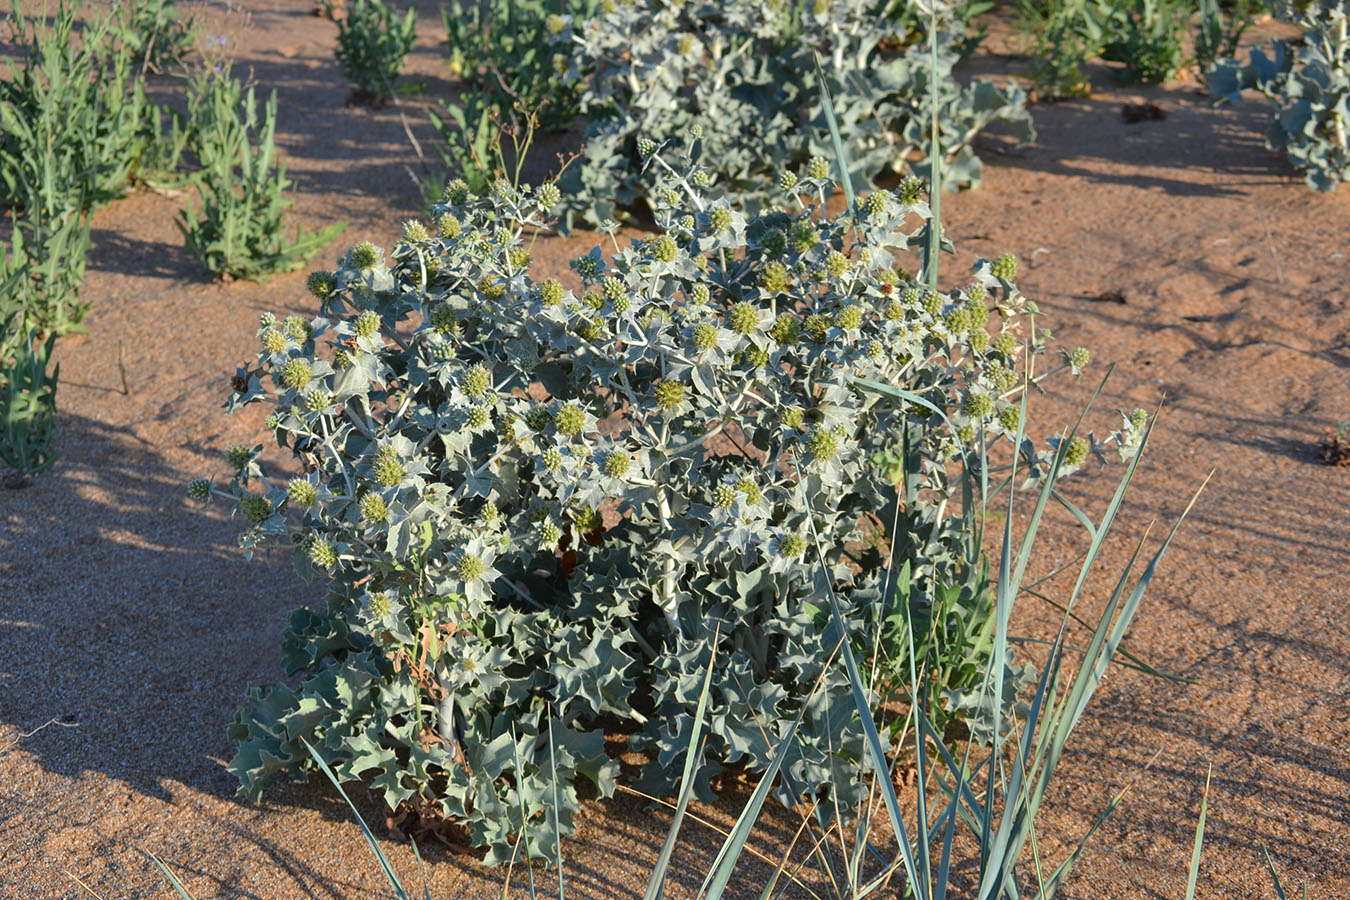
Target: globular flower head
365,256
549,195
1006,343
318,400
302,492
617,463
646,147
774,242
744,318
1004,266
555,24
664,249
875,204
456,192
774,278
256,508
848,318
388,469
757,356
818,169
805,236
978,405
1077,452
669,394
322,553
553,459
784,329
823,444
477,417
724,495
320,284
551,292
366,324
238,456
751,490
296,374
476,382
1010,418
791,546
273,341
1079,359
977,292
705,337
719,219
414,232
787,181
570,420
373,508
267,320
910,191
1138,419
549,534
296,327
836,264
199,489
448,228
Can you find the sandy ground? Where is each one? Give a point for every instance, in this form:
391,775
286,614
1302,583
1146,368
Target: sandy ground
127,614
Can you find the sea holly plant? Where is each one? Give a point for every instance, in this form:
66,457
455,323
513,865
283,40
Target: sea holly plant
527,496
746,73
1309,82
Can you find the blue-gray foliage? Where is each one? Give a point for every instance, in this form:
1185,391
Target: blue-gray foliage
537,499
1309,82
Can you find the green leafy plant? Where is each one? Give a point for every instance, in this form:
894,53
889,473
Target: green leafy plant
27,402
1063,36
470,145
238,231
75,122
745,73
43,272
517,52
156,33
1148,37
1217,34
1309,83
372,44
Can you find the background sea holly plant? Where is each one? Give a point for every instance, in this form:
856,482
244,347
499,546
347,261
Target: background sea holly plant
528,498
746,72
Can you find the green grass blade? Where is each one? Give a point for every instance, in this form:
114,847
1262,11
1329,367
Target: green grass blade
365,829
557,805
183,892
727,857
656,885
1194,873
840,158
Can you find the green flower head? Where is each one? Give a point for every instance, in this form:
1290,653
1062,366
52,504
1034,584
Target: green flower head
570,420
256,508
365,256
823,444
774,279
301,492
366,325
320,284
373,508
1077,452
296,374
199,489
1004,267
818,169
